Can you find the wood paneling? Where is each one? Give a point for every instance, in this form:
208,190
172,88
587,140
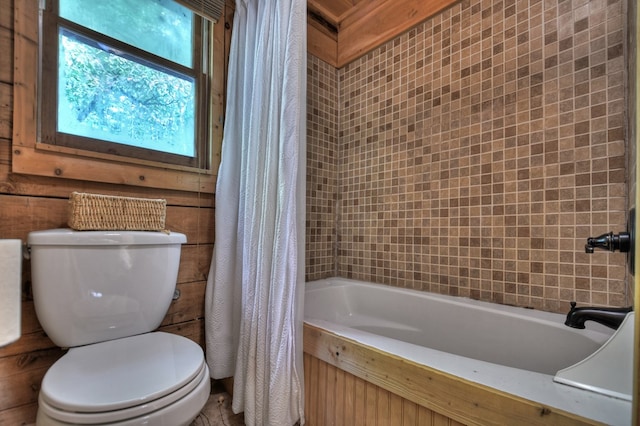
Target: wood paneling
23,213
30,202
12,183
321,42
427,396
62,162
335,397
6,47
24,369
6,17
6,105
380,22
189,306
336,11
364,25
331,10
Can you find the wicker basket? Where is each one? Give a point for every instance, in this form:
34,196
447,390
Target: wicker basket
105,212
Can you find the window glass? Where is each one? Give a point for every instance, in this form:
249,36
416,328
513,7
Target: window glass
114,96
160,27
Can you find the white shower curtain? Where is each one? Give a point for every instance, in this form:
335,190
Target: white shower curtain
255,289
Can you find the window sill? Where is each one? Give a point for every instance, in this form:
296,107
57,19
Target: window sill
40,162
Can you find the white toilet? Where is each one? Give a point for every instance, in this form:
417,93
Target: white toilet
101,293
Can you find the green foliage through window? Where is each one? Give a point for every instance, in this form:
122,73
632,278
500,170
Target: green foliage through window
123,99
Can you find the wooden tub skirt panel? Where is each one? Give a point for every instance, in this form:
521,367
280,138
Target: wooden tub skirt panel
347,383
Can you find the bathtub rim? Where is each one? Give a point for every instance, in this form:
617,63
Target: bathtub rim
595,331
572,401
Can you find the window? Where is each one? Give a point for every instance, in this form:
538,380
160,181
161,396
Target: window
131,83
125,77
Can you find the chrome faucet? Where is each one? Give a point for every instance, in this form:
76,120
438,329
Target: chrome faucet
610,317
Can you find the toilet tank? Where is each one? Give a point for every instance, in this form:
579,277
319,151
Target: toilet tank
92,286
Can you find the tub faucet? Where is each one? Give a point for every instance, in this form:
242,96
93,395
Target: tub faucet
611,317
609,242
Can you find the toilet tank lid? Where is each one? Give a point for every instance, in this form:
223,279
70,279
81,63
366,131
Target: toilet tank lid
63,237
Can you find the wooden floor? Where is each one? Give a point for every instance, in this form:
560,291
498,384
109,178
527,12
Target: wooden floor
217,412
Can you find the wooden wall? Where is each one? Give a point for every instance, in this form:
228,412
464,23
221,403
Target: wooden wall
30,203
322,42
335,397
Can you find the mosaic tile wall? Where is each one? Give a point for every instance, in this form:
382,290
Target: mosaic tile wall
478,151
322,174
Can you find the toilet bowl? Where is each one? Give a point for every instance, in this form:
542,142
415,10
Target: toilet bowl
102,294
151,379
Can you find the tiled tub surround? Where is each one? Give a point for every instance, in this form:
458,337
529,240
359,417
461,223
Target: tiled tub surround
322,172
476,153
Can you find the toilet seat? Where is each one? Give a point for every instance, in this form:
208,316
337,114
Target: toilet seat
122,379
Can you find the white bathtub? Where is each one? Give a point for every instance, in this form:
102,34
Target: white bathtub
514,350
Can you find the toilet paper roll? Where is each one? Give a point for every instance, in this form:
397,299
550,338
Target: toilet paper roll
10,290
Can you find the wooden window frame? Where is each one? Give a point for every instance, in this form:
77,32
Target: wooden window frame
34,157
50,23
